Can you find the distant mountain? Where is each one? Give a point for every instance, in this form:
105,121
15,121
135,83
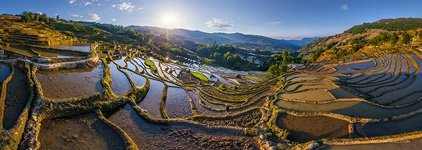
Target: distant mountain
304,41
237,39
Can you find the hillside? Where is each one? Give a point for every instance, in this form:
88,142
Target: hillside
14,31
238,39
385,36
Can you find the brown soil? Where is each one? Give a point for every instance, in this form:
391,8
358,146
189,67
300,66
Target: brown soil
304,129
246,120
82,132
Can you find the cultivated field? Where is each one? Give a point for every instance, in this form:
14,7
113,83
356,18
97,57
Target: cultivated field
128,100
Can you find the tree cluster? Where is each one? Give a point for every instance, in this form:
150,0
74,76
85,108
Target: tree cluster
34,17
280,62
225,56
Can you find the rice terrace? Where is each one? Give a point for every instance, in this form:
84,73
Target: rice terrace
109,74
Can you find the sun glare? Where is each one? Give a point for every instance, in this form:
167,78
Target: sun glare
169,20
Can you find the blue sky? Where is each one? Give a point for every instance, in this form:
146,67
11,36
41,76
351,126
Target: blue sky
274,18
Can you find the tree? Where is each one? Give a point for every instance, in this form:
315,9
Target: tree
274,70
406,38
227,54
37,17
279,67
45,18
283,66
394,38
25,16
30,17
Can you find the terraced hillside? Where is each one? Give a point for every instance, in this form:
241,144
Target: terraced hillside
13,30
387,36
132,101
379,98
129,100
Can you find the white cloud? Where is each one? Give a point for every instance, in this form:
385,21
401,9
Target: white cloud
72,1
219,24
76,17
87,3
89,17
129,7
275,23
113,19
93,17
344,7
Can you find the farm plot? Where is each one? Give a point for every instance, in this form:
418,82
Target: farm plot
65,84
81,132
304,129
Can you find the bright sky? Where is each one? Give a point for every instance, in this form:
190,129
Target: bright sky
274,18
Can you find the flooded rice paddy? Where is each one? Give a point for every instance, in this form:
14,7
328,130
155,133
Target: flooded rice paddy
386,89
17,96
120,84
151,102
304,129
4,71
121,104
177,103
71,83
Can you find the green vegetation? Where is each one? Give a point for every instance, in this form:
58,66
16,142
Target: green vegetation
16,33
280,62
34,17
151,65
399,24
222,87
200,76
369,39
225,56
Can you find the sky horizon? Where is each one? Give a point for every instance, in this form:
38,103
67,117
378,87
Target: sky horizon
282,19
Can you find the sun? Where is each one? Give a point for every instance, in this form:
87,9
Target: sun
169,20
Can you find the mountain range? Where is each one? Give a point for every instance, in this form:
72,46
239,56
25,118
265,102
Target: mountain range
237,39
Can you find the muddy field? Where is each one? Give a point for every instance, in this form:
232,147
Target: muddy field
304,129
81,132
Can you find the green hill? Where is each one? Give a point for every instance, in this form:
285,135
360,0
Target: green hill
367,40
399,24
